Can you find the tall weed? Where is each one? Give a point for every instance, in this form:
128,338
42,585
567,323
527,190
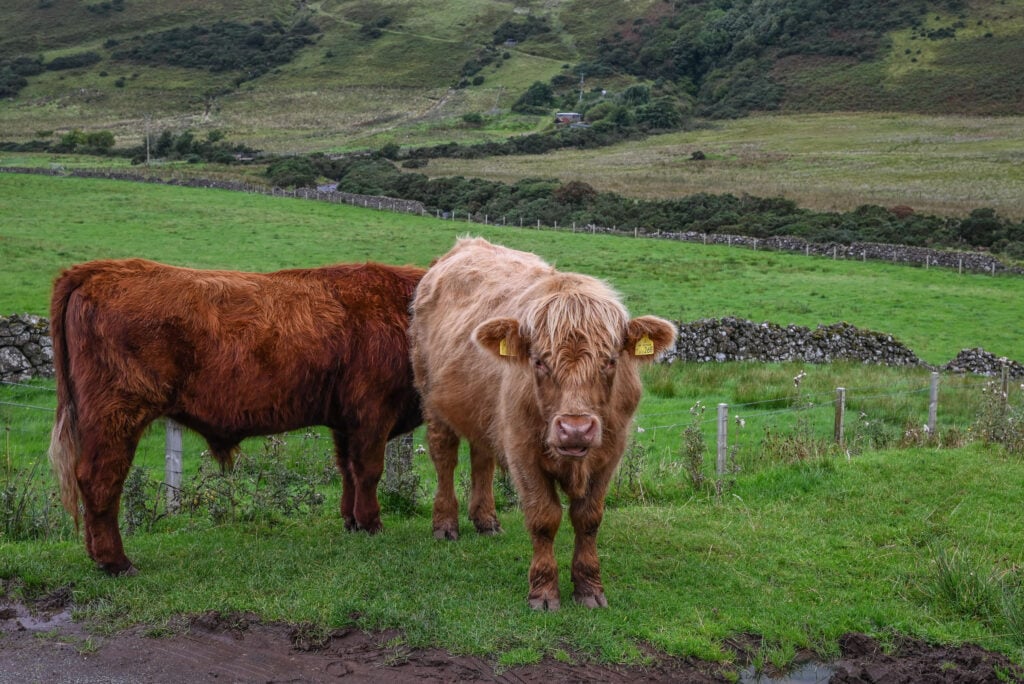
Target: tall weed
262,486
972,588
999,420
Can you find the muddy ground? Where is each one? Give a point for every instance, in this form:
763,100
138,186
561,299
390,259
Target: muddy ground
39,642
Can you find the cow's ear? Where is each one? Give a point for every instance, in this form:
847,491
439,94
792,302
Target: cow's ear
500,336
648,337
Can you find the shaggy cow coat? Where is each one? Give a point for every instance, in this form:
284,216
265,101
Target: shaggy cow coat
229,355
536,368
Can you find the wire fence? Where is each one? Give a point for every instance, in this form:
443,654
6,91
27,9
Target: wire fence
738,435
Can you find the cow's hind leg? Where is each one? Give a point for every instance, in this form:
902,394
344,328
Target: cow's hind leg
481,498
101,471
444,452
348,483
364,466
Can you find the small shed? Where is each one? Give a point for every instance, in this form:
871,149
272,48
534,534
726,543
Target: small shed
566,118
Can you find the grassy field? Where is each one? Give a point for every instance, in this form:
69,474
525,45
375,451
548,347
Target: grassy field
829,162
51,223
803,543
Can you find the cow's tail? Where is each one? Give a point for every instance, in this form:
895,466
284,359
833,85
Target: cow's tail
64,443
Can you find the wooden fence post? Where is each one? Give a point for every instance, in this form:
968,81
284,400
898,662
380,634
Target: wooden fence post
723,435
172,465
1004,384
933,404
840,427
398,460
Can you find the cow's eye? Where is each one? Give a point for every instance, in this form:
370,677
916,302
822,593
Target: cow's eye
541,367
609,365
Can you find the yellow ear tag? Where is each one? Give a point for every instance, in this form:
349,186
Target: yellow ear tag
644,346
503,347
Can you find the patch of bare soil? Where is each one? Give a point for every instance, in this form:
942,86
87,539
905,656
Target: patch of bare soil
40,643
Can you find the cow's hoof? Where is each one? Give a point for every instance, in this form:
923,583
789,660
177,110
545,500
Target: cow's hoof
488,527
446,531
549,604
125,569
372,527
592,601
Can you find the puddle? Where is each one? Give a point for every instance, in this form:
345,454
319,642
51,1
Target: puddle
809,673
16,617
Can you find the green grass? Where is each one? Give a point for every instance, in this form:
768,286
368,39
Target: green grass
799,554
799,549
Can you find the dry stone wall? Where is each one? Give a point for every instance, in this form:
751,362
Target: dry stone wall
368,201
26,350
735,339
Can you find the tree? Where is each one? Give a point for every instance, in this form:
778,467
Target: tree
100,141
72,140
981,228
292,172
662,114
636,95
537,99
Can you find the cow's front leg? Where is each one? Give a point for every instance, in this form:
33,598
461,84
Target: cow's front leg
543,515
481,499
586,514
444,452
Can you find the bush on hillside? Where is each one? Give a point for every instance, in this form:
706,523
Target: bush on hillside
292,172
75,61
252,49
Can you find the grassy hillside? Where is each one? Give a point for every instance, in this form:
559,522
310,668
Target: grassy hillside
407,72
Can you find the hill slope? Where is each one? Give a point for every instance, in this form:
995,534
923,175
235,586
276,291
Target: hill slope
292,75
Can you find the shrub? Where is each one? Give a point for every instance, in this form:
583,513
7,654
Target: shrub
264,486
75,61
538,98
292,172
251,49
11,83
520,30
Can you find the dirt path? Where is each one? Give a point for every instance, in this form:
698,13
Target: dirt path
42,644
